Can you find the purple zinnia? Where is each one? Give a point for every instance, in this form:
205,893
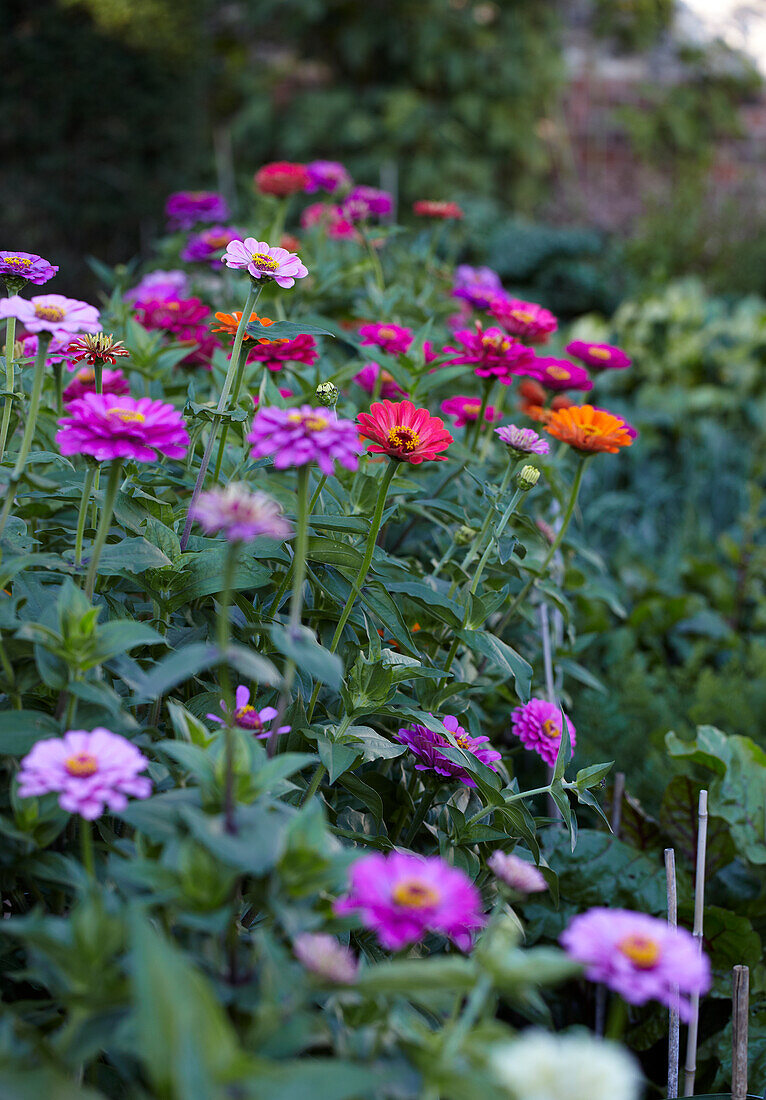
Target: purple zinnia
426,745
538,726
185,209
326,175
325,957
247,717
476,285
401,897
598,356
241,515
90,771
17,268
159,286
207,246
640,957
366,202
515,872
107,426
525,441
64,317
296,437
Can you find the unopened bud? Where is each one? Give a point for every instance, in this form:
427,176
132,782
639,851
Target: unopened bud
327,394
527,478
464,535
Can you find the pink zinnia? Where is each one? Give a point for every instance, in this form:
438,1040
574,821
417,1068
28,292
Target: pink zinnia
538,726
157,286
181,316
524,441
467,409
264,262
598,356
527,320
476,285
402,431
401,897
296,437
559,374
277,353
331,218
325,957
393,339
366,202
491,353
84,381
26,266
247,717
367,377
426,746
521,876
106,427
281,178
90,772
207,246
241,515
282,393
186,208
64,317
326,175
640,957
56,353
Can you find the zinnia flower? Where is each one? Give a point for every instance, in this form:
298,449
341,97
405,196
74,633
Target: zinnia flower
366,202
207,246
491,353
107,426
527,320
476,285
466,409
183,317
559,374
229,323
17,268
90,771
185,209
598,356
533,401
401,897
56,353
64,317
159,285
84,381
240,514
578,1066
401,431
100,347
282,177
331,218
524,441
368,376
521,876
393,339
426,745
264,262
296,437
247,717
632,432
427,208
326,175
537,724
274,354
325,957
640,957
589,430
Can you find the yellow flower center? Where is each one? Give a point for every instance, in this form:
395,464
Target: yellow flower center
87,374
600,353
82,764
18,261
49,313
471,409
265,263
127,416
522,315
642,951
550,729
406,439
248,717
314,422
462,741
217,240
414,894
387,333
559,372
499,343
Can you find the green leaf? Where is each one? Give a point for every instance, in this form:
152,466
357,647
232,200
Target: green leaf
403,976
131,555
20,729
592,776
204,575
255,848
503,657
281,330
336,756
318,1078
118,637
300,645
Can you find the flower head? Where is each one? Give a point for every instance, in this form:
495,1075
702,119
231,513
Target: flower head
108,426
527,320
401,897
282,177
331,218
524,441
534,398
274,354
325,957
632,432
426,746
326,175
185,209
367,377
264,262
491,353
363,203
247,717
18,268
521,876
159,285
99,347
427,208
638,956
229,323
207,246
64,317
393,339
589,430
296,437
467,409
400,430
559,374
577,1066
476,285
184,318
240,514
537,724
598,356
90,771
84,381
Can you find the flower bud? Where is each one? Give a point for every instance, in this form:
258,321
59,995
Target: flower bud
327,394
527,478
464,535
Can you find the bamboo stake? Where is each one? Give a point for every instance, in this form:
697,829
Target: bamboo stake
739,1021
674,1025
699,904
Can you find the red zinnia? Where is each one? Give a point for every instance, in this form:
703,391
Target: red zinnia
281,178
401,431
428,208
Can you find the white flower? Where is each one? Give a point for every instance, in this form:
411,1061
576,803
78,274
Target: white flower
575,1066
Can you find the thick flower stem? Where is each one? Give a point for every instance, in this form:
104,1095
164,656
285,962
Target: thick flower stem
43,340
480,418
87,485
372,538
104,523
86,847
238,379
252,297
289,571
58,380
222,633
10,375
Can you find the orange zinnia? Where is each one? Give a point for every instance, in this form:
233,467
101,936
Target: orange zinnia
589,430
229,322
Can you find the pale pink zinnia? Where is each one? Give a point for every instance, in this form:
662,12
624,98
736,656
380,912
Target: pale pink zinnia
537,724
90,772
264,262
324,956
107,426
64,317
241,515
524,441
521,876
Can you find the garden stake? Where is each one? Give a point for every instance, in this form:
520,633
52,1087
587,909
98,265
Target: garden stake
699,902
674,1024
740,1003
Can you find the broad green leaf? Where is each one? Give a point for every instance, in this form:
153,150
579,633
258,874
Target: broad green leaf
281,330
130,555
301,646
20,729
503,657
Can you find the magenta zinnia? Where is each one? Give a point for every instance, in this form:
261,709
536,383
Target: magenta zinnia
467,409
241,515
598,356
185,209
559,374
426,745
326,175
64,317
296,437
25,267
537,724
393,339
491,353
527,320
207,246
367,378
157,286
476,285
402,896
247,717
275,354
400,430
264,262
84,381
107,426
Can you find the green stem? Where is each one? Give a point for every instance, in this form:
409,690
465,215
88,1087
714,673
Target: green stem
94,510
480,417
58,380
7,667
43,339
87,485
313,786
237,386
454,1040
104,523
289,571
429,794
511,798
98,374
500,528
86,847
10,375
372,538
618,1019
499,406
223,631
374,260
478,542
